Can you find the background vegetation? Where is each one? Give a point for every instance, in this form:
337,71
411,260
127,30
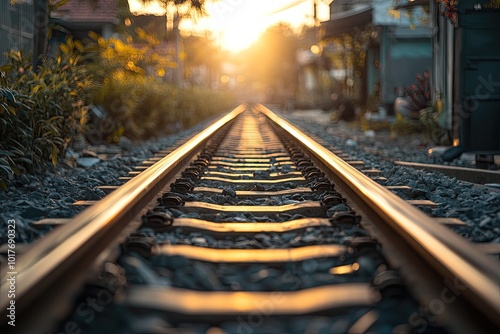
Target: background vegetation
142,107
135,96
43,110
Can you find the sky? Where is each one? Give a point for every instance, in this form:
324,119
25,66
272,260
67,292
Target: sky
236,24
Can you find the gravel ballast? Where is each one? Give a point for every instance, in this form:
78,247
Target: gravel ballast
50,195
476,205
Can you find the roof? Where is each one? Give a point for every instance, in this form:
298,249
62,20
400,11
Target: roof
346,21
102,11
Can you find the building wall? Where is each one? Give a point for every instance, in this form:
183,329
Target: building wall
401,49
403,56
339,6
16,27
404,59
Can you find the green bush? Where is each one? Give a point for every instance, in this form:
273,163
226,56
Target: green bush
434,132
141,107
403,126
41,111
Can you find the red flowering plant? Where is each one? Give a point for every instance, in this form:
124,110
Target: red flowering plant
419,95
450,10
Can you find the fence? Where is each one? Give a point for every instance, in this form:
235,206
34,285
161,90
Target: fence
16,26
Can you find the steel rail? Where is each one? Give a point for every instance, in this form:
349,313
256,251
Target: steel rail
473,175
59,261
449,254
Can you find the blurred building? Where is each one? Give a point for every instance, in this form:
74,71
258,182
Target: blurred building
16,26
79,18
466,75
154,25
372,51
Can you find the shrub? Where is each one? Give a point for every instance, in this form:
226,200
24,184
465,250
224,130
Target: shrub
419,95
137,101
434,132
403,126
41,111
142,107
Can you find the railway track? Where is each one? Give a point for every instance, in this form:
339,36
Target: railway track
253,227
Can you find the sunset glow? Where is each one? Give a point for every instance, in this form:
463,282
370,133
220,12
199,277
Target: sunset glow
236,24
235,27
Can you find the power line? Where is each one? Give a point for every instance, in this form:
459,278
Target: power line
285,7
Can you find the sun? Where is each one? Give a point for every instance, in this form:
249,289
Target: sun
236,24
238,38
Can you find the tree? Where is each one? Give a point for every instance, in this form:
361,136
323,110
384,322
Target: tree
189,6
180,9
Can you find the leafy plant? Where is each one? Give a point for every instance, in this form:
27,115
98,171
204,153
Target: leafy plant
450,10
41,111
403,126
116,58
419,95
137,101
429,116
433,130
141,107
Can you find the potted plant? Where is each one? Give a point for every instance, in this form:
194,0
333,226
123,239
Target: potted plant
414,98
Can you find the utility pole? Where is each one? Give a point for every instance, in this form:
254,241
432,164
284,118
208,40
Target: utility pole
315,13
179,70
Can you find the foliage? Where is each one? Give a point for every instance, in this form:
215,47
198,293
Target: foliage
403,126
56,4
185,7
430,120
375,125
412,10
433,130
142,107
419,99
450,10
373,101
349,52
114,58
493,4
419,95
137,101
41,111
